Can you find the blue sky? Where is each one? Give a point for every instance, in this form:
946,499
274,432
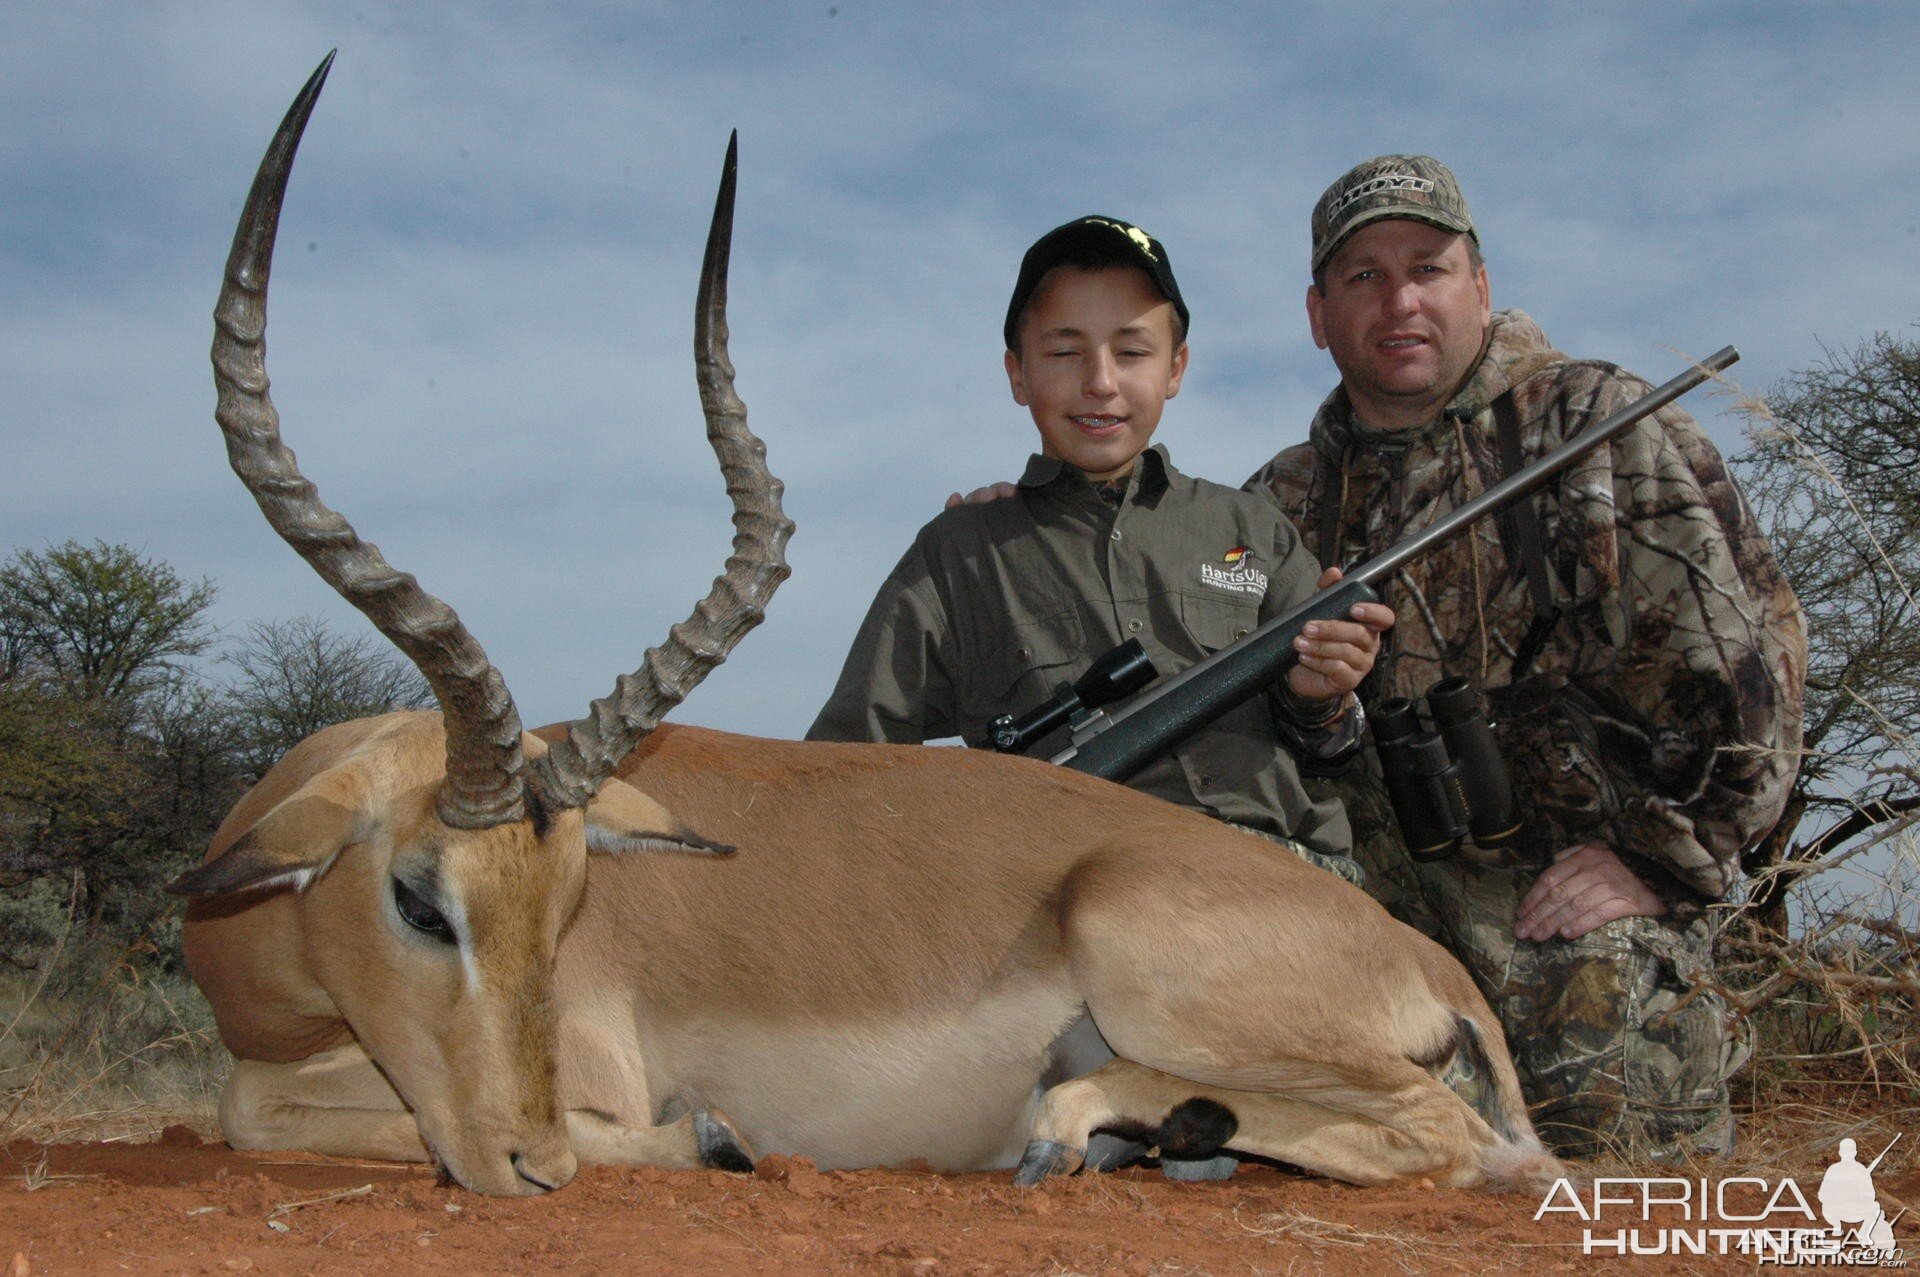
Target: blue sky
481,310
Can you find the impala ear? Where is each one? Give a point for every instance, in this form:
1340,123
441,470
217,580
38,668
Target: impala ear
291,845
621,819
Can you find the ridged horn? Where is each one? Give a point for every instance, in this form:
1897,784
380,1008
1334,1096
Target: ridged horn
486,772
574,768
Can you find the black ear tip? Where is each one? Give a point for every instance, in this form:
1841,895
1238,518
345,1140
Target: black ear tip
706,845
192,883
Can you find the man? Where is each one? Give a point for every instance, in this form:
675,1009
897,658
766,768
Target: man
1642,655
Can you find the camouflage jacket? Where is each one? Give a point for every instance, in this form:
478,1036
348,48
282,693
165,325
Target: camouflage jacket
1662,711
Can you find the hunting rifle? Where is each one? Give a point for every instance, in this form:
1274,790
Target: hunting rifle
1115,744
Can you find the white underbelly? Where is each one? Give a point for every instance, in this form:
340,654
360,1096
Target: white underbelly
954,1090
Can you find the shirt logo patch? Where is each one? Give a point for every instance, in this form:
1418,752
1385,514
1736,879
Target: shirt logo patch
1235,573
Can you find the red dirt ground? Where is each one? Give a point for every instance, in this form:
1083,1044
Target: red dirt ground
184,1206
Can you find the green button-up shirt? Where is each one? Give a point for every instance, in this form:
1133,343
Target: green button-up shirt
995,604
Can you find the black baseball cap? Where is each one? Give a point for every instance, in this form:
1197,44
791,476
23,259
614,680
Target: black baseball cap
1092,241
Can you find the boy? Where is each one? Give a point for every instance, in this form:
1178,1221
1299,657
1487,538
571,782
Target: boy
1105,541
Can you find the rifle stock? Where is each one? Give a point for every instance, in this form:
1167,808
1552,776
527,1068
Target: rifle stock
1126,739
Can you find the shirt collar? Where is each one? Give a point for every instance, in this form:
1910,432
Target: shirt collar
1149,477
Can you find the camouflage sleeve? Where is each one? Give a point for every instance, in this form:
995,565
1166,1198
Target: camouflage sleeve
896,685
1324,748
1679,608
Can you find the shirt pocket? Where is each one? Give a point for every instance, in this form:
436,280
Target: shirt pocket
1213,623
1021,671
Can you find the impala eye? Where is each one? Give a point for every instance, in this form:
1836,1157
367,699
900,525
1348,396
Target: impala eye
420,915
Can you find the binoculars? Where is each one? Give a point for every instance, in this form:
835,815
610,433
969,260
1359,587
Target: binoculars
1446,781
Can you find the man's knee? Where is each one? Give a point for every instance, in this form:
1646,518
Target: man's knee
1622,1051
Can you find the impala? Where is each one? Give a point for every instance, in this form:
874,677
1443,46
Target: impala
435,935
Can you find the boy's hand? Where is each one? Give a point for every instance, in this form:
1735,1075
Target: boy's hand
980,496
1336,655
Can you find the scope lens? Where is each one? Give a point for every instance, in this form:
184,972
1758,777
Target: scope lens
1117,673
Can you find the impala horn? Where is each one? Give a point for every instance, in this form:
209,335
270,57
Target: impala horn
486,771
573,768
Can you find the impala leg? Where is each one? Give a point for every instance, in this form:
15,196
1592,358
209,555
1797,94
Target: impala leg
702,1138
1331,1075
1123,1099
339,1103
1190,1121
336,1102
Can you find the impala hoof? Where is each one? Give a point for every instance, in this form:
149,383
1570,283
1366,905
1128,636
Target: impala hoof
1045,1158
1199,1170
721,1147
1106,1152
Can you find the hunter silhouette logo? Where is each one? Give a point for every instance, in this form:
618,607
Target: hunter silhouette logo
1847,1198
1235,573
1770,1220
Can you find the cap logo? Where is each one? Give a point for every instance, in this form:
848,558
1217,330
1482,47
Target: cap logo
1379,186
1141,240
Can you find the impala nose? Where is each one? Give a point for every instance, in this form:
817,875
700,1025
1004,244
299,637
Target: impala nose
545,1174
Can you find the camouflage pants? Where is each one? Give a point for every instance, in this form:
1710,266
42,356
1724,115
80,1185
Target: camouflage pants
1614,1057
1340,866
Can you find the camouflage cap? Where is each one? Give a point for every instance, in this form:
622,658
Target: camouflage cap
1092,242
1411,186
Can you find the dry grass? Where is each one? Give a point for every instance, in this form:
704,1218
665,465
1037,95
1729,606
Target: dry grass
1834,1005
1340,1245
1837,1003
1835,1014
112,1049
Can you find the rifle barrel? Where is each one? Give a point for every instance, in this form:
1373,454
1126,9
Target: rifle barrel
1176,708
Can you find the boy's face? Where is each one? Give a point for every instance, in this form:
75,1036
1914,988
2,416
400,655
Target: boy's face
1096,364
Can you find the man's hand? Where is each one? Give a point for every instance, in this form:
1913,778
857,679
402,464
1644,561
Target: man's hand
1586,886
1336,655
980,496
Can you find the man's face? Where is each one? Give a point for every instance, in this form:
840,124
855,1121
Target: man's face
1404,315
1097,363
